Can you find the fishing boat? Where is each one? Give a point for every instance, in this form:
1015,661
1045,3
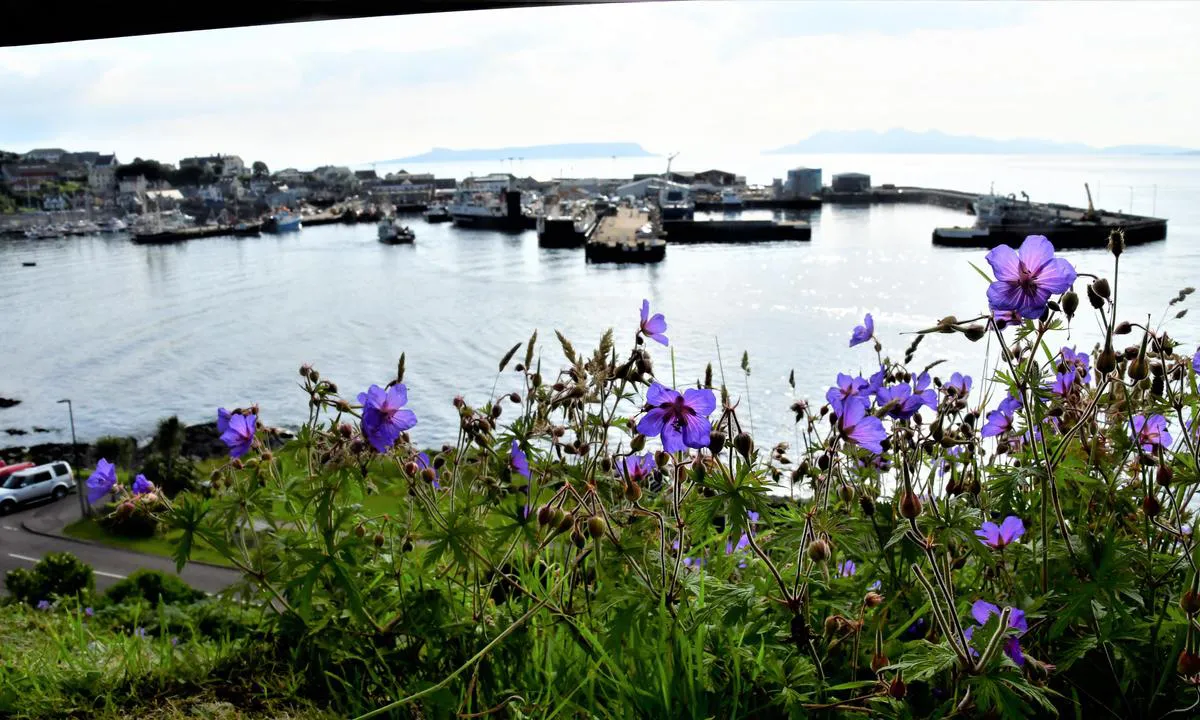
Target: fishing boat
283,221
112,225
566,224
391,232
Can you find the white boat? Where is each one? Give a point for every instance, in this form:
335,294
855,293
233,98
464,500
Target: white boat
112,225
491,205
676,203
285,221
437,213
730,199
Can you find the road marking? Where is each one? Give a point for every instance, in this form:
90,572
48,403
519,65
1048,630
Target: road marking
10,527
101,573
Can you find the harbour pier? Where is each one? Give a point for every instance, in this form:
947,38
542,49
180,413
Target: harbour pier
630,235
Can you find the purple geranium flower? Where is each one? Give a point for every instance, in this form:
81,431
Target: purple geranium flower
862,429
1151,433
742,543
846,568
43,605
1077,363
239,434
1062,383
102,481
903,401
1006,533
1026,278
383,418
681,420
875,382
846,387
88,611
916,630
982,610
222,420
423,463
864,332
653,326
141,485
959,384
1004,318
637,470
140,632
517,460
875,585
999,421
1196,361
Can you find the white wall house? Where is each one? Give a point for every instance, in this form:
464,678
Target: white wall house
102,175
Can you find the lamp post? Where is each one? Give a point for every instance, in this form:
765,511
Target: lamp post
83,510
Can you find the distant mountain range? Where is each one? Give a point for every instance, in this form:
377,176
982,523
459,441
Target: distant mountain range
566,151
907,141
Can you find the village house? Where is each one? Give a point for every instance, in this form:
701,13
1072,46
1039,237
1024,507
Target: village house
223,166
102,175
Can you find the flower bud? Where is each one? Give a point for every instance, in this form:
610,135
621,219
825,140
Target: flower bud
823,461
744,444
519,367
910,505
819,550
662,458
1070,303
1123,328
1116,242
578,539
868,505
1189,663
1138,369
846,493
1106,362
633,492
1165,475
459,402
1151,506
834,624
873,599
566,522
429,475
1101,288
378,540
558,387
716,441
312,375
637,443
1095,300
537,380
514,398
1190,601
597,526
497,410
897,689
545,514
879,661
975,333
359,531
411,468
606,464
331,387
237,464
305,369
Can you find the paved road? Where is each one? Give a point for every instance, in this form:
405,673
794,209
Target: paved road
20,548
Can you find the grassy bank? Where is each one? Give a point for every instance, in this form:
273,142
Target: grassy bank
88,529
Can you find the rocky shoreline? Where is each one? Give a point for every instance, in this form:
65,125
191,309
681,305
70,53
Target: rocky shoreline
200,442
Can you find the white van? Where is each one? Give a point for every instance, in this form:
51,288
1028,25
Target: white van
53,480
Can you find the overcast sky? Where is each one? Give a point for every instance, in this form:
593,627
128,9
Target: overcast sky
739,76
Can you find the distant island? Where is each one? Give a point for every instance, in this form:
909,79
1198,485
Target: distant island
565,151
906,141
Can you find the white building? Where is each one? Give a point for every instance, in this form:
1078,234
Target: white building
102,175
650,187
289,176
230,166
132,186
495,182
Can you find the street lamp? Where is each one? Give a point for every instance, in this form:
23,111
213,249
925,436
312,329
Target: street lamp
83,510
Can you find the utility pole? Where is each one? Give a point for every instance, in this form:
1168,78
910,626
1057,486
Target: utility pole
83,509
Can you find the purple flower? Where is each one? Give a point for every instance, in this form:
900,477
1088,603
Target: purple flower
1151,433
959,384
903,401
846,568
846,387
875,585
982,610
174,641
637,470
681,420
1062,383
1196,361
1008,532
999,421
423,463
1026,278
916,630
222,420
239,434
140,632
862,429
653,326
43,605
383,418
141,485
1077,363
875,382
864,332
742,543
752,516
1003,318
102,481
88,611
517,460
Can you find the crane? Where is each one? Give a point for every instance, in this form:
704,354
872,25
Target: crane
1091,211
670,157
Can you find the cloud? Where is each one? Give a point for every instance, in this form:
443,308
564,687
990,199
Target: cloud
728,77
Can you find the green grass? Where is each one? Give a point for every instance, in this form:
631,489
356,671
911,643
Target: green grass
88,529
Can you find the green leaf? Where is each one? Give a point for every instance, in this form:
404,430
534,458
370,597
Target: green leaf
924,660
982,274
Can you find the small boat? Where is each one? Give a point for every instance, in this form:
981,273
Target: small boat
112,225
283,221
391,232
28,264
245,229
437,213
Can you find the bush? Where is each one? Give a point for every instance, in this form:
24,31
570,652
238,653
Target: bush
155,587
117,450
132,518
171,475
56,575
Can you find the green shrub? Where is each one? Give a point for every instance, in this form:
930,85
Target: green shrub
56,575
171,475
155,587
130,518
117,450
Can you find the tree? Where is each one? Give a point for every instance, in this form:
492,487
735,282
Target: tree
260,169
